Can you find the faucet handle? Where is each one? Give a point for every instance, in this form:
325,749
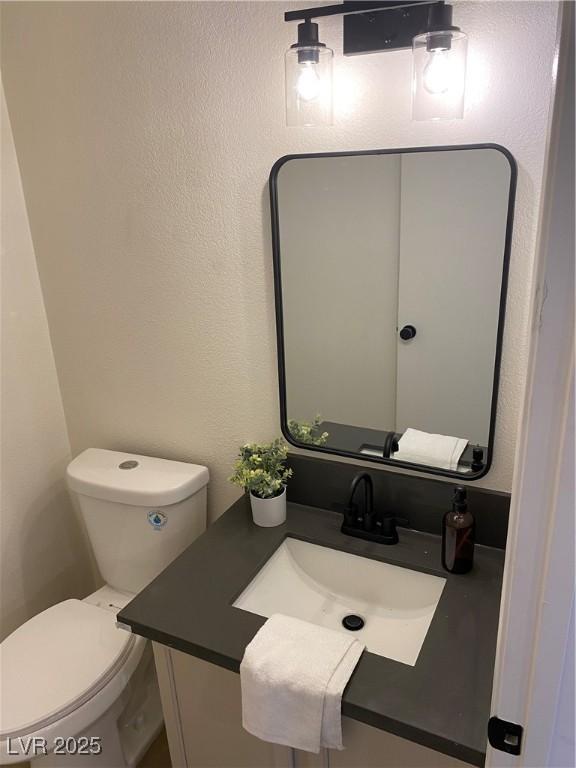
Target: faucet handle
350,512
386,526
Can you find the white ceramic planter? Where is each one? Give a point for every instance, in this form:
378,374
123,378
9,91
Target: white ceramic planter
269,512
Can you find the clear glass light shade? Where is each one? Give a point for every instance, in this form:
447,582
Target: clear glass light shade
439,75
309,86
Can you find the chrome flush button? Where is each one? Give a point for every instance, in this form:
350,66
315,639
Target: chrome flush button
131,464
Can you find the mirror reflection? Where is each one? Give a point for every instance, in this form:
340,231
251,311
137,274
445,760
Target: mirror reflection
390,267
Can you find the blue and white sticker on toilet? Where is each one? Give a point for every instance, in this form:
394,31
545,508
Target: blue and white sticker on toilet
157,519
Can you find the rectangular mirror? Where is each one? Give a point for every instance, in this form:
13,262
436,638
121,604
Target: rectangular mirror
390,276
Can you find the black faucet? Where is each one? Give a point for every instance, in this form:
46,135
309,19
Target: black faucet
361,517
363,521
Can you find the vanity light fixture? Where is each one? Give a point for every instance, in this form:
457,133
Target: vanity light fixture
439,56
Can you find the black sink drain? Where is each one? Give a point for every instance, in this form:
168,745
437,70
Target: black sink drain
353,622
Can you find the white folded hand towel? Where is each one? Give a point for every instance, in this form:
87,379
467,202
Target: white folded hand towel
293,675
434,450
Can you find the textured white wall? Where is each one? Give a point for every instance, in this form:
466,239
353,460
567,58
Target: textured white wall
145,133
44,557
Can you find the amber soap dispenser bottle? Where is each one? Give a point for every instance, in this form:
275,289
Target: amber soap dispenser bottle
458,535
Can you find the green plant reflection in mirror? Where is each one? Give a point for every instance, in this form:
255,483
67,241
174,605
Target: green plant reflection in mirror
308,432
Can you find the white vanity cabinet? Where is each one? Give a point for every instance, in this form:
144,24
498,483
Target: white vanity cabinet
203,714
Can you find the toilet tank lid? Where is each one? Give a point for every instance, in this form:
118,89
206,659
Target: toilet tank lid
129,478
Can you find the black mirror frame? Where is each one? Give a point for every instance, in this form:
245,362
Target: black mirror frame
274,212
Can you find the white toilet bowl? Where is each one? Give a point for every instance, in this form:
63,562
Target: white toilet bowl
75,689
78,688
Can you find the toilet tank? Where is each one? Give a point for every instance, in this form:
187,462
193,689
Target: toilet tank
140,512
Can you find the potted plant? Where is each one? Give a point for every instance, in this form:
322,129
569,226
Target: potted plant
261,470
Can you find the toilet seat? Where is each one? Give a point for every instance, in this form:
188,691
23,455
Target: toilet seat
56,662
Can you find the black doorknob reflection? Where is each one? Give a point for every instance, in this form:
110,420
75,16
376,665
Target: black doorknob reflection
407,333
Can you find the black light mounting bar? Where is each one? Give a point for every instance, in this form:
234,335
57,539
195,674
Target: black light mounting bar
371,27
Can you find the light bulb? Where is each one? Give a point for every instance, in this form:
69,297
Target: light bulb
308,73
437,76
439,68
309,83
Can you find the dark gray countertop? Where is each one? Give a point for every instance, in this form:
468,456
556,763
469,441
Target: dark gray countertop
443,702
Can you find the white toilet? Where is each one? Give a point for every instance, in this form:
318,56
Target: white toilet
70,674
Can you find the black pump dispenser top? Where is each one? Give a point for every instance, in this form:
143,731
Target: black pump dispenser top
459,503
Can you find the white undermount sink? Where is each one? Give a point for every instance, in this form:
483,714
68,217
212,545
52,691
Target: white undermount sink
323,585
